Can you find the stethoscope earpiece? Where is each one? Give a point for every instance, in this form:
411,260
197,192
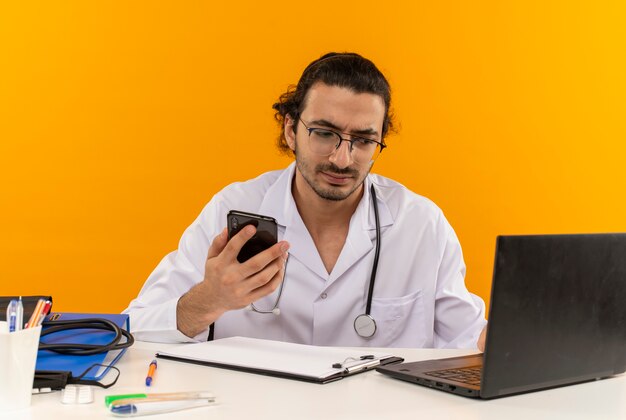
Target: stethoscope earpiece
252,308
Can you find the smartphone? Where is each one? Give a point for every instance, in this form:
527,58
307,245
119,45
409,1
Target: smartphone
266,232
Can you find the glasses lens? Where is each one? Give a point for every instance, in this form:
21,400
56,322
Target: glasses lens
365,151
324,142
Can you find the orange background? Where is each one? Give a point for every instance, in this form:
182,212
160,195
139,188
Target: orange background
120,120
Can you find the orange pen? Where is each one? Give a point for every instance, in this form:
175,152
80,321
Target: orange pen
151,371
36,313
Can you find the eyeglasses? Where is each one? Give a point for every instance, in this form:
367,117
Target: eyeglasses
324,142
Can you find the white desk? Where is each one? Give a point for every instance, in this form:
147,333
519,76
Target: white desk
370,395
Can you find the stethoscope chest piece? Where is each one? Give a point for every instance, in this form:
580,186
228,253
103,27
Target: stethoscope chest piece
364,325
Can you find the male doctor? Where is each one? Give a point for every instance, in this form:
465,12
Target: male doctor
327,206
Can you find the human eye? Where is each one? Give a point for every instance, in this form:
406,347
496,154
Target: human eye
325,134
364,143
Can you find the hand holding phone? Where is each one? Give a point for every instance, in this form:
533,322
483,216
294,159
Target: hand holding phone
266,232
228,283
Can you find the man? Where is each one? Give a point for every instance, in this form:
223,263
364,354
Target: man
334,122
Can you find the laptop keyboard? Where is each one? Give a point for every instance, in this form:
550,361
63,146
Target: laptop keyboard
469,375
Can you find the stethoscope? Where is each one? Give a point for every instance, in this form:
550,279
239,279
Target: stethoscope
364,324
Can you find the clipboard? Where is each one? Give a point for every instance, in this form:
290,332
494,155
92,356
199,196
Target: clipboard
317,364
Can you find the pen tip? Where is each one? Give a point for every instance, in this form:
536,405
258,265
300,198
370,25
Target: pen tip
148,381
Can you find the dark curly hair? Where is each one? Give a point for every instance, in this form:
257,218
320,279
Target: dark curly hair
347,70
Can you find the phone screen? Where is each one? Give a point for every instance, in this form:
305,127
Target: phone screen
266,232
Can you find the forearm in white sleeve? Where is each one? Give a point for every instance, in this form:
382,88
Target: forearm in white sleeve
153,312
459,314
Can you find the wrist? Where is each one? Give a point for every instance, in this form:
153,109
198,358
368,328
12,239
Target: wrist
194,313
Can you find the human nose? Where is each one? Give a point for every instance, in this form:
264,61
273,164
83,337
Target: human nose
342,155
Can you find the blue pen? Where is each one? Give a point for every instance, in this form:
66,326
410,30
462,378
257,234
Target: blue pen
139,408
15,314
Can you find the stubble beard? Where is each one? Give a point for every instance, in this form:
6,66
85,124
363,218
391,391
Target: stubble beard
331,194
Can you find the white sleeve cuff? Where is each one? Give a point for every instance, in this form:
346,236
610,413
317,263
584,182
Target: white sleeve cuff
157,323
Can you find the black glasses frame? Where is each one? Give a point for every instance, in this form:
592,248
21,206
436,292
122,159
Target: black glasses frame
341,139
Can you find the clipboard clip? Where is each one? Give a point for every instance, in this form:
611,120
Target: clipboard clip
361,363
362,366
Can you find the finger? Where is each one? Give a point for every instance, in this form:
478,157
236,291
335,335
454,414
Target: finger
268,287
265,275
234,245
242,291
218,244
262,259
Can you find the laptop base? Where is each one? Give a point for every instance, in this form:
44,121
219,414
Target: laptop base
417,373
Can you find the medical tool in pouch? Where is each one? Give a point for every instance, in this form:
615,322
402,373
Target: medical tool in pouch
73,347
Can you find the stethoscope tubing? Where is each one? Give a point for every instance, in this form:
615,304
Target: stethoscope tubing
275,310
370,292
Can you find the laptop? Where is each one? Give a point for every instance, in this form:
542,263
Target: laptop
557,317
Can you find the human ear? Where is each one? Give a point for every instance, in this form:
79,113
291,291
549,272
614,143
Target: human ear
290,135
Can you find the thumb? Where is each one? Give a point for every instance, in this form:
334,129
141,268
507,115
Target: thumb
218,244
